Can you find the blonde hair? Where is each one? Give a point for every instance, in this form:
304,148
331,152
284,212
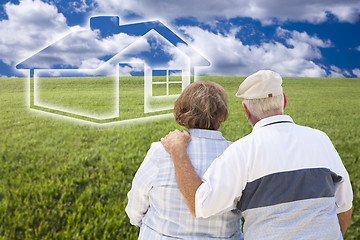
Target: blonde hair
202,104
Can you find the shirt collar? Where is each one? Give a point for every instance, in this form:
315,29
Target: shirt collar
272,120
205,133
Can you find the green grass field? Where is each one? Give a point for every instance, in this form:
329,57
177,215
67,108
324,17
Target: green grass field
92,98
66,179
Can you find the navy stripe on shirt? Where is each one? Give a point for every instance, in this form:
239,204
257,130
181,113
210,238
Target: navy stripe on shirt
288,186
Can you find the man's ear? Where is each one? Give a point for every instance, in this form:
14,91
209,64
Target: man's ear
285,101
246,110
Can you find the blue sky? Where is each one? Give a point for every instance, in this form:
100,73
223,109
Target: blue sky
295,38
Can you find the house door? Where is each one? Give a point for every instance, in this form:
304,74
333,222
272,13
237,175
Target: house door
131,90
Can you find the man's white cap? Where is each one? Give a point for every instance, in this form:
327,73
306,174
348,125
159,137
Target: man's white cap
262,84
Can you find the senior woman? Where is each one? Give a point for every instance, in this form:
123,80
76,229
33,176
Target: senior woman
155,203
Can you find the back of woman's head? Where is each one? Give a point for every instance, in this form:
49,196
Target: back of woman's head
202,104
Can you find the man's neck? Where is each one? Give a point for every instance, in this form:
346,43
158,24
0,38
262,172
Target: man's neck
254,120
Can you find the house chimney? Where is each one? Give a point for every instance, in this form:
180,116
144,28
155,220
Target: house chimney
107,25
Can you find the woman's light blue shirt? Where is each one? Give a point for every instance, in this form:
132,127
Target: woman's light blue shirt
155,203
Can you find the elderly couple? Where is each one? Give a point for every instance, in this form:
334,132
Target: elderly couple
286,180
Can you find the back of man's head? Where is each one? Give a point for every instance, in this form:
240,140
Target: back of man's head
262,94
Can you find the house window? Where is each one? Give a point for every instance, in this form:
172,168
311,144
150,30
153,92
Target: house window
166,82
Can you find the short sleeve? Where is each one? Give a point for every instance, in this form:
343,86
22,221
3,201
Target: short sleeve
343,194
343,189
222,185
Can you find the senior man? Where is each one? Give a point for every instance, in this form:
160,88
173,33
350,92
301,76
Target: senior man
288,180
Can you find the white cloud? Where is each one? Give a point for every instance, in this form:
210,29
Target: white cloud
229,56
30,26
265,11
34,24
302,37
154,50
346,12
304,46
80,49
79,6
334,74
125,71
134,45
356,72
178,59
91,63
358,48
337,72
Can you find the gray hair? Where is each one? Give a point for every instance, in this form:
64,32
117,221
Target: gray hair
264,107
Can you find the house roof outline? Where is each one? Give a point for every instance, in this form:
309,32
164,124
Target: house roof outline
50,58
52,52
126,54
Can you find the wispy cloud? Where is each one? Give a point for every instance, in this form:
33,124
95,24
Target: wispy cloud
79,6
356,72
231,57
265,11
337,72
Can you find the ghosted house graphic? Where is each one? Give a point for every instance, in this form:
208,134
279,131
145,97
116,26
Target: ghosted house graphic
149,50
